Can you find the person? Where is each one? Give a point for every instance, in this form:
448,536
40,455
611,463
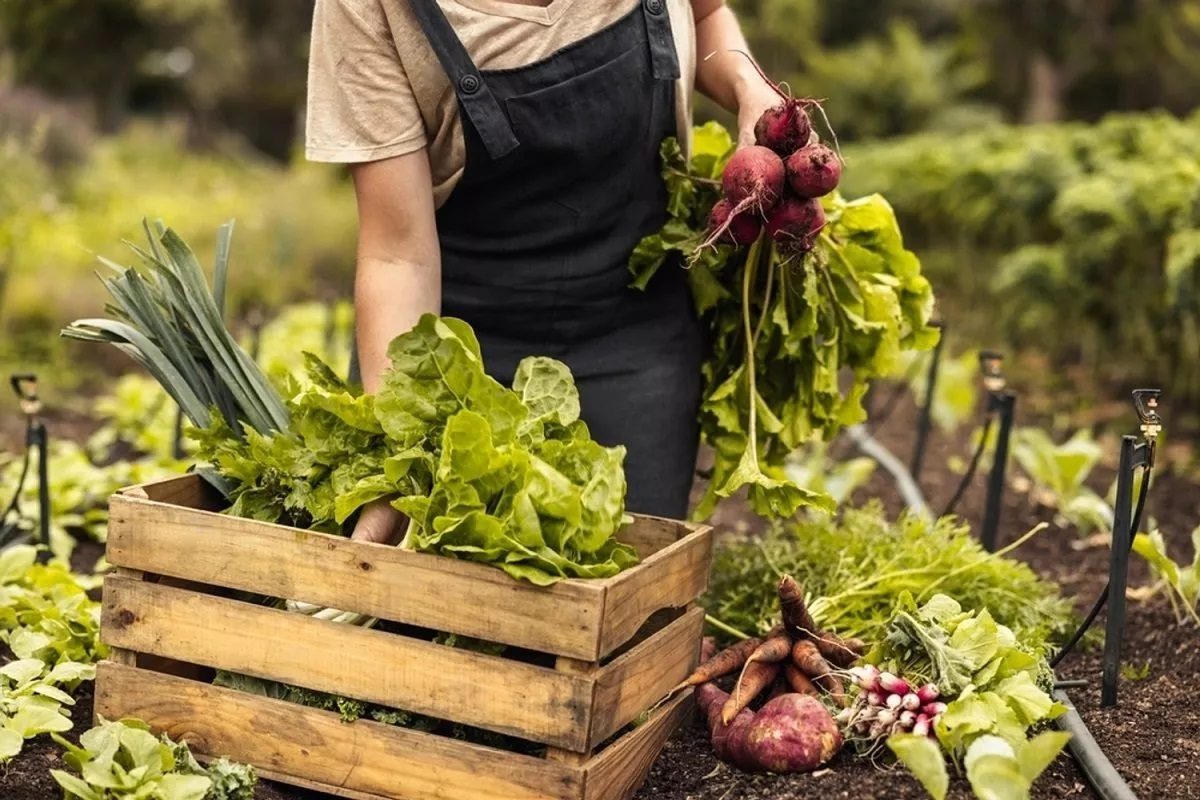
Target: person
505,163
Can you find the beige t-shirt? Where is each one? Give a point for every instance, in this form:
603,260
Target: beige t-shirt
376,89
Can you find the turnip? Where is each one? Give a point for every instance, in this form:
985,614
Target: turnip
928,693
791,733
794,224
813,171
741,230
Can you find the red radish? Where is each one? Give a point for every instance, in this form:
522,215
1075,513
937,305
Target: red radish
894,701
928,693
910,702
741,230
890,683
887,717
794,224
876,698
934,709
921,726
907,718
866,676
813,171
784,128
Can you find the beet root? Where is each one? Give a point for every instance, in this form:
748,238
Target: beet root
784,128
794,225
738,229
728,741
813,171
792,733
753,179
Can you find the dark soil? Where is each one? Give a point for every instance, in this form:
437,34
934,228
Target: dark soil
1150,737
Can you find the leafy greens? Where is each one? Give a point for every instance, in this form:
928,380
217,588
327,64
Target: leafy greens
784,330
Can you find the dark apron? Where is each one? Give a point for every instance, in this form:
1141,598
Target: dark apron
562,179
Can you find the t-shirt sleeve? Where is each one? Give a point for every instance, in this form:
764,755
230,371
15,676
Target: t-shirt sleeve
361,105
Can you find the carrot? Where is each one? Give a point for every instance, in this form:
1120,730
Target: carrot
728,660
773,650
809,660
838,651
796,619
798,681
756,676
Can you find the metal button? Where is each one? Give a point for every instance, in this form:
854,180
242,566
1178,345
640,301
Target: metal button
470,83
654,6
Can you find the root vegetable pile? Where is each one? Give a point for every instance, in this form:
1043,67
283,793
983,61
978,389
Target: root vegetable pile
807,297
793,731
888,704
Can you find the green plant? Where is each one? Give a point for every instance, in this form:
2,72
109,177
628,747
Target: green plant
1059,473
956,394
1182,580
811,468
125,761
854,567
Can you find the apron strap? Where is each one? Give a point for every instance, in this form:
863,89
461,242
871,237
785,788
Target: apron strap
474,96
662,40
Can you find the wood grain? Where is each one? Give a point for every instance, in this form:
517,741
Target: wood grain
619,770
289,741
490,692
182,490
430,591
648,535
671,578
637,680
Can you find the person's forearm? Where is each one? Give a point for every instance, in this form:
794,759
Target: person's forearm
724,72
390,295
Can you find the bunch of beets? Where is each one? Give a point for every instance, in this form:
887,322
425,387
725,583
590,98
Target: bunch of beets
775,184
797,665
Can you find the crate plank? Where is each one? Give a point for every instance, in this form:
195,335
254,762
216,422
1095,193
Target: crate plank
290,741
182,490
619,770
648,535
416,588
671,578
640,678
520,700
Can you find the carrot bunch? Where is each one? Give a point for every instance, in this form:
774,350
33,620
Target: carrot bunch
794,656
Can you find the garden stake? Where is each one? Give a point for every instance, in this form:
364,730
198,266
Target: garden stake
1134,455
925,422
36,439
1002,404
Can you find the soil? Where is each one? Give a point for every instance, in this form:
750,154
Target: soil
1150,736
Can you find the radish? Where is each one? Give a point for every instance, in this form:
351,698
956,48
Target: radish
910,702
784,128
928,693
921,726
890,683
934,709
813,171
886,718
743,229
907,718
866,676
876,698
794,224
894,701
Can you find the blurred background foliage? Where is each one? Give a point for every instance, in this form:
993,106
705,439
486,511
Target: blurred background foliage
1043,156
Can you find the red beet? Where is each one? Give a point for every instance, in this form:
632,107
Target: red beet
794,224
813,171
741,230
753,179
784,128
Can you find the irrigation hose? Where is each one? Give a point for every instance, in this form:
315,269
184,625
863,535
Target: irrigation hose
909,491
1098,770
1103,598
971,468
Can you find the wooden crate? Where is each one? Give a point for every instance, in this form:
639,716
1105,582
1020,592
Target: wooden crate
587,657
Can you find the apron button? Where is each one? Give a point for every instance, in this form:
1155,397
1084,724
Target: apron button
470,83
654,6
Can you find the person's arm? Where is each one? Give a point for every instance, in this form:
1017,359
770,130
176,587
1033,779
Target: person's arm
399,273
398,278
724,71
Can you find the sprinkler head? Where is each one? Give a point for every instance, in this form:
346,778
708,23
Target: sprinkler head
991,365
25,386
1145,403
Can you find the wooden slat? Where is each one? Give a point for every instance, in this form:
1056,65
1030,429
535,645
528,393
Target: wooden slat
587,670
643,676
489,692
117,654
617,772
444,594
284,739
671,578
648,535
182,490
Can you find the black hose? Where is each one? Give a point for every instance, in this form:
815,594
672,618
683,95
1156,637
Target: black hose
1103,598
1098,770
971,468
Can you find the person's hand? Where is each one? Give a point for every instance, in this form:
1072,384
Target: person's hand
754,98
379,523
